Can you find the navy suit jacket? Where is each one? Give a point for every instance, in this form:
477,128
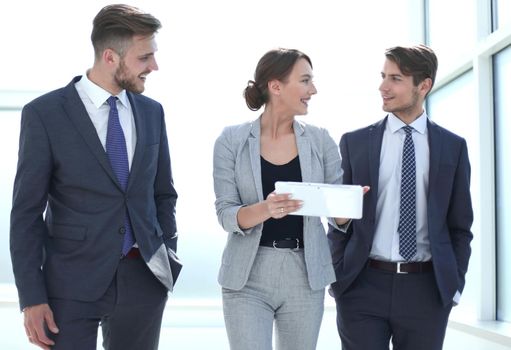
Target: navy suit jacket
68,207
449,207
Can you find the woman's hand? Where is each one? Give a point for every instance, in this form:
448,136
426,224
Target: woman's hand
279,205
274,206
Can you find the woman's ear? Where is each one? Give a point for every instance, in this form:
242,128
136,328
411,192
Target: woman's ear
274,87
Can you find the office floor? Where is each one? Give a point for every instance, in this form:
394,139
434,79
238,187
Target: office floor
200,326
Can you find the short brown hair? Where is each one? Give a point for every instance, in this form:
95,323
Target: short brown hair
115,25
418,61
274,65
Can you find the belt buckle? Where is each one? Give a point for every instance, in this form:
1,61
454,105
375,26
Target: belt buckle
297,244
399,263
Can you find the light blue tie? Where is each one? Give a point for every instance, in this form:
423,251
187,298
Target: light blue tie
118,156
407,221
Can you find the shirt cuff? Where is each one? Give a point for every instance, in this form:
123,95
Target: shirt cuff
343,228
456,298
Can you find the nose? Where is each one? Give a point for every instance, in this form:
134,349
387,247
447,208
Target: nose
313,91
383,85
154,65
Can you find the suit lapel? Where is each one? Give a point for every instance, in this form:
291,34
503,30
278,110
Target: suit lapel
140,126
78,115
254,144
304,151
375,141
435,151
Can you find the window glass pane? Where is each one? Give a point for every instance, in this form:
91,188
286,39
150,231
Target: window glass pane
502,103
9,134
501,14
451,31
454,107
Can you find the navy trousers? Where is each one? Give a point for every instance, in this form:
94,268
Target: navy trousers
129,313
382,307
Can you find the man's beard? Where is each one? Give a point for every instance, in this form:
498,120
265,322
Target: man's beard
126,81
405,108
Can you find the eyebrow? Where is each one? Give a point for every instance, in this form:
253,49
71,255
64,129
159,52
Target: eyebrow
392,75
306,75
149,54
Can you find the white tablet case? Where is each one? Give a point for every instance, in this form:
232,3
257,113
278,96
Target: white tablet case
339,201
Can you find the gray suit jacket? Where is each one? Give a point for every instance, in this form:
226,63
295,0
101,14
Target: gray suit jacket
237,179
64,170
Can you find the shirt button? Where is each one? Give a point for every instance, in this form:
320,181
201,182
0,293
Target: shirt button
122,230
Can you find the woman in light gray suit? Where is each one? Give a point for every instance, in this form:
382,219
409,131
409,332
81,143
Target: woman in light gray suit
275,266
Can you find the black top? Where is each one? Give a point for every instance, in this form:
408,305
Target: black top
290,226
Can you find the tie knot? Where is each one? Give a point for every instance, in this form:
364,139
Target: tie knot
112,101
408,129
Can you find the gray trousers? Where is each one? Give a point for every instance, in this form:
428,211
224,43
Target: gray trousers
277,294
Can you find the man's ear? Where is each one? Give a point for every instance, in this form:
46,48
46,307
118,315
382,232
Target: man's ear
110,57
274,87
426,85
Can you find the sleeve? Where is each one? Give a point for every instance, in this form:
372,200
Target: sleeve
165,194
345,178
30,195
333,171
228,201
460,215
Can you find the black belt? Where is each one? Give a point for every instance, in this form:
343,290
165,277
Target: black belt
401,267
294,243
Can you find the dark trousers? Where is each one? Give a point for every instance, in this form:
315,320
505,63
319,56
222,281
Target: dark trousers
382,307
129,313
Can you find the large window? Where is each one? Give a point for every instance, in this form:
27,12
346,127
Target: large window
502,84
451,31
472,99
9,135
501,14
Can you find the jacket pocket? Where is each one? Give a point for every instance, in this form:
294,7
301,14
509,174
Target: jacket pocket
75,233
158,230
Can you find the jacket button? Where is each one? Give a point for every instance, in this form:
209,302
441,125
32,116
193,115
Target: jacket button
122,230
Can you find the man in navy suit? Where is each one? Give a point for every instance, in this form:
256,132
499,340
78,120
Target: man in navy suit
73,211
402,267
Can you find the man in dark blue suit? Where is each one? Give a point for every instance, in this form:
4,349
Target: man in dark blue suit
93,231
402,266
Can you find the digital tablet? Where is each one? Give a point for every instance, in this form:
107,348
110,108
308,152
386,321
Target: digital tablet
339,201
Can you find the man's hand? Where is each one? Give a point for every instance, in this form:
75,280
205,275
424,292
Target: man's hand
344,221
37,317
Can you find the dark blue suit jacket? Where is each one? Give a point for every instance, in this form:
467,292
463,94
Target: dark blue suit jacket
449,207
72,250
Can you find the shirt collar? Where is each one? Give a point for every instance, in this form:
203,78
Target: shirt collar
419,124
97,94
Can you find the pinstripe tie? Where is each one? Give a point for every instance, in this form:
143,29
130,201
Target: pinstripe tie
118,156
407,222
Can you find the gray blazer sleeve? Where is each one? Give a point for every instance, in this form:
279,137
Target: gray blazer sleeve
333,169
228,199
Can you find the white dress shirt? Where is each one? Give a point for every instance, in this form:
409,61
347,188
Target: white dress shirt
94,99
386,238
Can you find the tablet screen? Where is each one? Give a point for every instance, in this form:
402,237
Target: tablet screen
339,201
